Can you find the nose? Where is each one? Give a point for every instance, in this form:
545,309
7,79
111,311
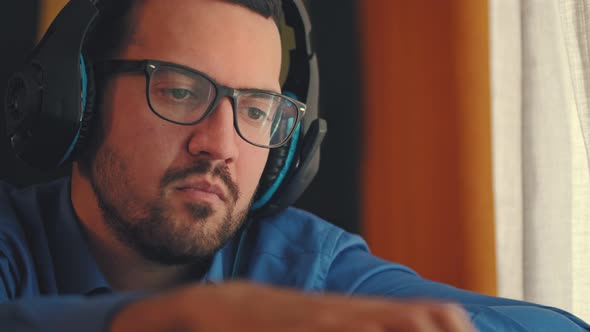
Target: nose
215,137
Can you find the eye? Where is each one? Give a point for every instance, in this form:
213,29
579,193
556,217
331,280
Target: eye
179,94
256,114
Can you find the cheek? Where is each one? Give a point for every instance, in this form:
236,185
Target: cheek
249,168
149,151
143,141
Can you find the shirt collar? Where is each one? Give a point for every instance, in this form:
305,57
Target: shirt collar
227,262
222,265
76,269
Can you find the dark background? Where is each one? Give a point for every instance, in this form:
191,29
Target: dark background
334,194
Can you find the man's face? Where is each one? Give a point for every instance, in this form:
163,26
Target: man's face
176,193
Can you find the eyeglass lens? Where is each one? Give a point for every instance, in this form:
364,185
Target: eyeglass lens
181,96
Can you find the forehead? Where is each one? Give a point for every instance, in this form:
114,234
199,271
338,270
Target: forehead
232,44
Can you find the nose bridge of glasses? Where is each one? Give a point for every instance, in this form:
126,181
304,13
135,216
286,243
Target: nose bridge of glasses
223,93
222,104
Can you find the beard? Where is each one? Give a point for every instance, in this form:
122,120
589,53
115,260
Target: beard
153,228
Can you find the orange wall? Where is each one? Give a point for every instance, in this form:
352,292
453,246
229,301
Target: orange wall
427,184
48,11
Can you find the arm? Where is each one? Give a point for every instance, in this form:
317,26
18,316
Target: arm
370,275
229,307
32,290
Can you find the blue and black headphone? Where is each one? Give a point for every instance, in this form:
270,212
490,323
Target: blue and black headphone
49,103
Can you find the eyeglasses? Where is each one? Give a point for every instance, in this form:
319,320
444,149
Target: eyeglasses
184,96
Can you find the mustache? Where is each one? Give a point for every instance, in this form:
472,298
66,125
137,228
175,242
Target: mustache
203,167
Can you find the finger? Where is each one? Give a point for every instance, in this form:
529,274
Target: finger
380,315
452,317
414,316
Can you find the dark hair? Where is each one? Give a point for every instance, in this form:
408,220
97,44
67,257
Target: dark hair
114,27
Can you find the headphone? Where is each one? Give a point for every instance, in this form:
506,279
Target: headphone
49,103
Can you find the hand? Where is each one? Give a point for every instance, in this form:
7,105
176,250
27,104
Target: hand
245,307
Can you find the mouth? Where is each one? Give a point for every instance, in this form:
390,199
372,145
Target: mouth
202,190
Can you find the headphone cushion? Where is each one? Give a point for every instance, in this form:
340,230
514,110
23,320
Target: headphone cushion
88,112
274,165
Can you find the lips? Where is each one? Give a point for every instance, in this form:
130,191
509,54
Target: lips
202,186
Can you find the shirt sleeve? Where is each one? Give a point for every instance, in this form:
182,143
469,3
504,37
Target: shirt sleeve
355,271
62,313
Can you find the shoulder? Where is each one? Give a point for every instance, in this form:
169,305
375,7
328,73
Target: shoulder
26,209
26,213
293,248
298,249
9,213
27,216
301,231
27,206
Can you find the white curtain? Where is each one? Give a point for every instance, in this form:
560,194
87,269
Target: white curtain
540,68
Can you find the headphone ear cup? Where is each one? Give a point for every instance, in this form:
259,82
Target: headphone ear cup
86,124
274,165
23,101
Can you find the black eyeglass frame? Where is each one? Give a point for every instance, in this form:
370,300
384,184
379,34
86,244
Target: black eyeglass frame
148,66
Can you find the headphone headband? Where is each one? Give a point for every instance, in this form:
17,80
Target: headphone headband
49,102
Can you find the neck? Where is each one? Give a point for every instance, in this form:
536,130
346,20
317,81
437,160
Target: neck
123,268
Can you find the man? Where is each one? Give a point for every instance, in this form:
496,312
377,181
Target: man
145,236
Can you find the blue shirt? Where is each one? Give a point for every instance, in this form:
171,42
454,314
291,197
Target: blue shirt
49,281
